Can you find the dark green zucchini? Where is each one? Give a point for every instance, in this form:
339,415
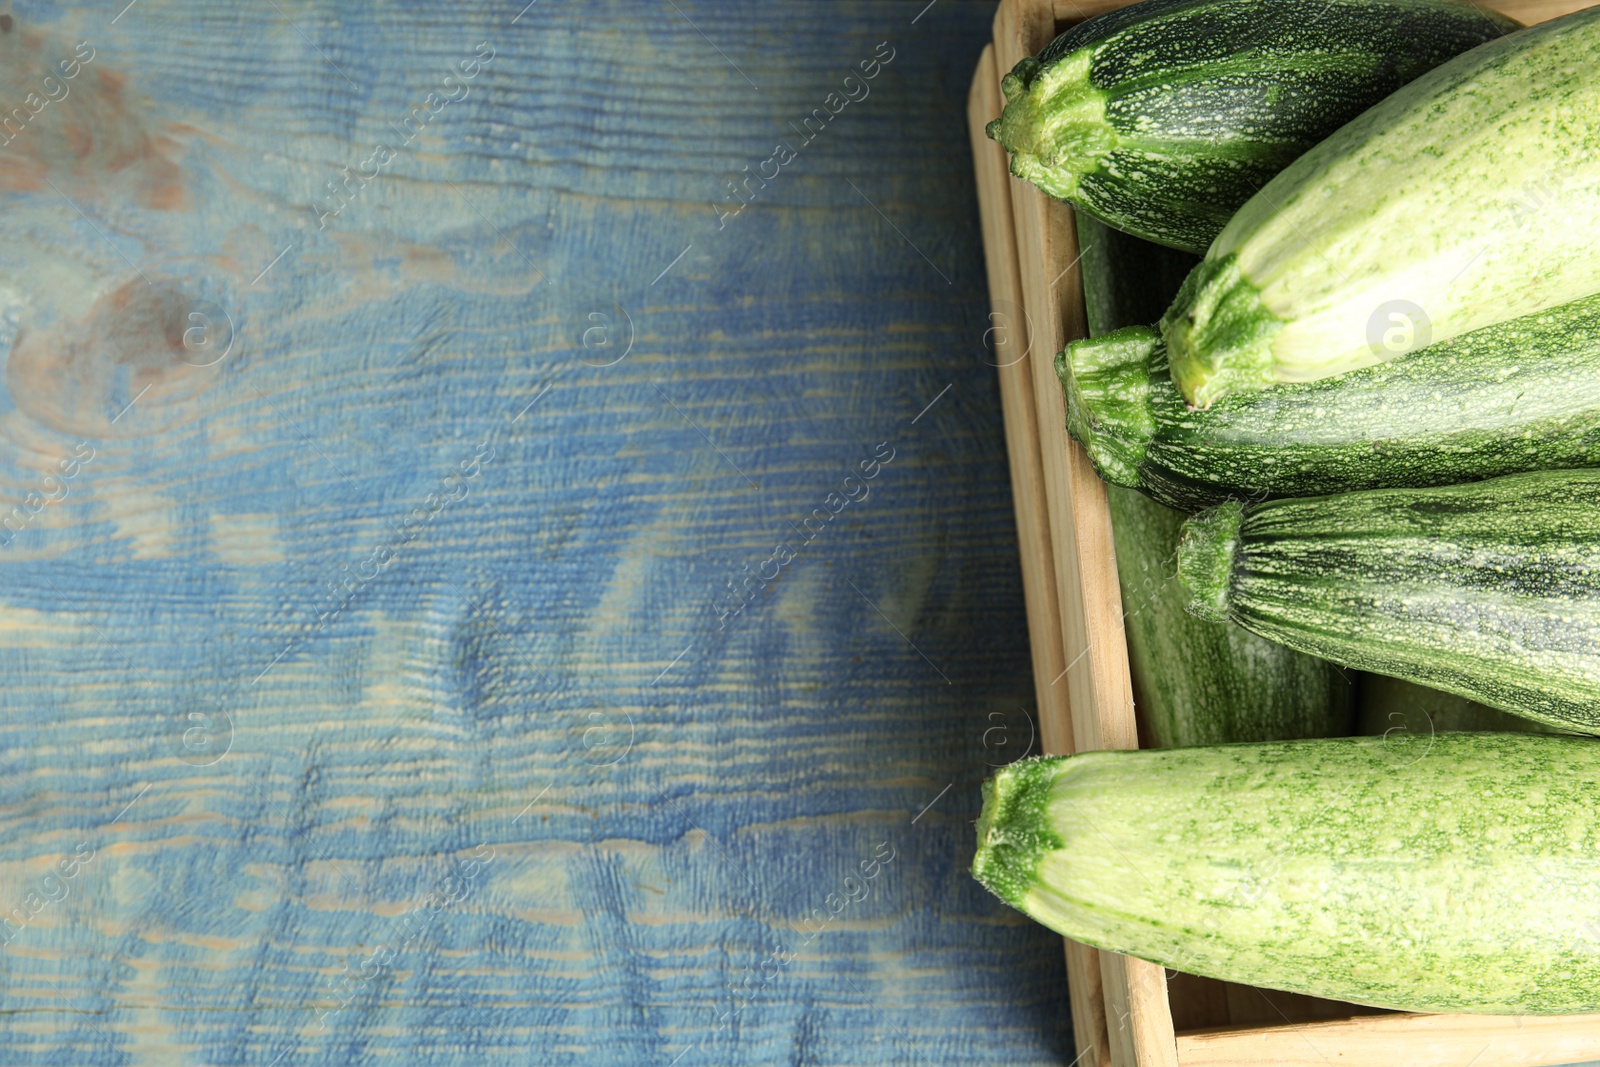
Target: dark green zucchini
1518,396
1195,682
1489,590
1163,117
1403,711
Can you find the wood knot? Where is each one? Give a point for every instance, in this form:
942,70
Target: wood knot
132,365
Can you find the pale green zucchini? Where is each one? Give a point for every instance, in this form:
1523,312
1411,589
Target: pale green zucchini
1162,117
1468,197
1456,873
1516,396
1489,590
1194,682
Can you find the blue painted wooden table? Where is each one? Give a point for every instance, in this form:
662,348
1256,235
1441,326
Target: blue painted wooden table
508,553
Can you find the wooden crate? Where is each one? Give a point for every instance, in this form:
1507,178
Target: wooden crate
1125,1011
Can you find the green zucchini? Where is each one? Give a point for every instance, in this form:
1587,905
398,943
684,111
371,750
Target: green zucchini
1469,197
1162,118
1194,682
1446,874
1126,281
1390,707
1198,682
1516,396
1489,590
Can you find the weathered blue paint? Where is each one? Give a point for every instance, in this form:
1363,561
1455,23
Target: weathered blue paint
376,693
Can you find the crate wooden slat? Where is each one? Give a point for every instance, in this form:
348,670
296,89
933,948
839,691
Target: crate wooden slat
1123,1009
1385,1040
1013,342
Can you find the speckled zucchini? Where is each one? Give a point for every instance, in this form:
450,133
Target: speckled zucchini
1194,682
1489,590
1163,117
1468,197
1445,874
1517,396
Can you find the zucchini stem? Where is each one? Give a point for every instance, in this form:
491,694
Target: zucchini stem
1108,382
1219,334
1054,124
1014,829
1205,558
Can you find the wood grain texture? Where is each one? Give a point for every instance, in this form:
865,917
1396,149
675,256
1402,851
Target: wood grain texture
394,688
1383,1040
1012,337
1097,675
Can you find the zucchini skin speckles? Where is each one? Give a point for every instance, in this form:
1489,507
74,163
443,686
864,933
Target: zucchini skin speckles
1194,682
1443,873
1162,118
1413,223
1517,396
1489,590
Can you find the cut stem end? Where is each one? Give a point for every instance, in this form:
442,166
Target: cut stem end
1205,559
1014,831
1107,381
1054,123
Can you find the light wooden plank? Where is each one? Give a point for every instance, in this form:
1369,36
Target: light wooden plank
1415,1040
1530,12
1137,1011
1017,28
1013,344
1070,11
1097,675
